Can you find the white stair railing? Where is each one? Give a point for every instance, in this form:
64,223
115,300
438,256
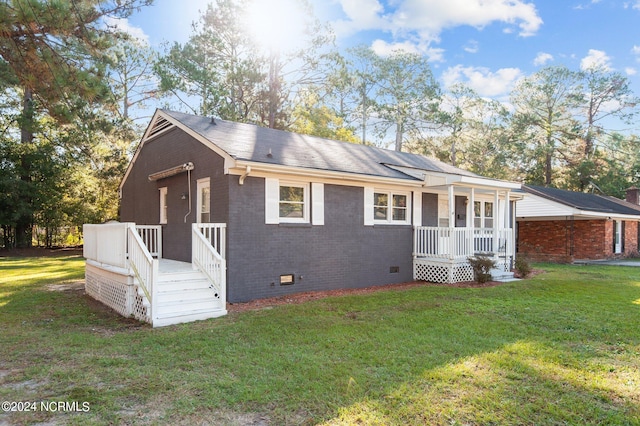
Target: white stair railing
144,266
207,253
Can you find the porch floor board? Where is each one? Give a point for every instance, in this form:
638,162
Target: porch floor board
170,266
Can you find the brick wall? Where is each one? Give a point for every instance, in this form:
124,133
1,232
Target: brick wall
568,240
631,238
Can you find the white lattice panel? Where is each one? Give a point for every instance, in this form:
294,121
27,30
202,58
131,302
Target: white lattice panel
104,289
431,272
140,311
441,272
461,272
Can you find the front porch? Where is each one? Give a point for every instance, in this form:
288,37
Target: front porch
125,271
441,254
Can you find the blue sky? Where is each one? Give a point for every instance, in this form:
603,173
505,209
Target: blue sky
488,44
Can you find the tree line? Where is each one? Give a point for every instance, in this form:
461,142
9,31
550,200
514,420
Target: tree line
73,86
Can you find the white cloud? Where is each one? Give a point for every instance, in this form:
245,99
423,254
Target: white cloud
122,24
361,15
636,51
383,48
472,46
542,58
426,19
482,80
430,17
596,58
630,71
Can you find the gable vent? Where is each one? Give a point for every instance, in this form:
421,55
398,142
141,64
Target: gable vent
160,125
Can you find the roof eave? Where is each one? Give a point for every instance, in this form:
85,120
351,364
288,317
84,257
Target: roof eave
260,169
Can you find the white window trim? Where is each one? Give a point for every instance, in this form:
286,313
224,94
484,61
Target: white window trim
483,218
163,205
305,202
201,184
370,205
313,202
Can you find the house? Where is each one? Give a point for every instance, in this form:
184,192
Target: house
270,213
562,226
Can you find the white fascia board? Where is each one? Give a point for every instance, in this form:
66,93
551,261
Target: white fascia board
601,215
326,176
481,182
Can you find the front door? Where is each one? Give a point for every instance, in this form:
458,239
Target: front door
461,211
617,236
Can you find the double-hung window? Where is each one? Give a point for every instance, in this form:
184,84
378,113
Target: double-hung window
483,214
390,207
293,202
293,205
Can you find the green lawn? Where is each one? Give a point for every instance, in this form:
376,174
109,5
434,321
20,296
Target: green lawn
560,348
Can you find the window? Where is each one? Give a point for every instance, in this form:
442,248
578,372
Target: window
204,200
390,207
293,202
483,214
163,205
443,211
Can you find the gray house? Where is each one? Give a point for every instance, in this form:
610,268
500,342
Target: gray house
281,213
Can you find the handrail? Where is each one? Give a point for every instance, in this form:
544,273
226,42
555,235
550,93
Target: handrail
207,259
144,266
216,234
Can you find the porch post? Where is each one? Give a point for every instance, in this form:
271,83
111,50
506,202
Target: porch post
496,226
508,235
452,218
472,222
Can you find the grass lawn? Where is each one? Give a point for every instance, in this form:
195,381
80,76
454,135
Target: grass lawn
560,348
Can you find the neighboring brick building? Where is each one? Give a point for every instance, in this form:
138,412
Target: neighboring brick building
562,226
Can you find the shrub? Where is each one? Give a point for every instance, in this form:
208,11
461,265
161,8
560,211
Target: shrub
482,266
522,266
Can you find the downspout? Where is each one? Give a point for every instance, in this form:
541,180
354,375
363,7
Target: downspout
244,176
189,167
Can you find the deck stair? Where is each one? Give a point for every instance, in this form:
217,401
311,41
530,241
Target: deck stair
183,295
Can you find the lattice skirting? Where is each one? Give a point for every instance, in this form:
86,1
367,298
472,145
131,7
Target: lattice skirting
115,290
441,272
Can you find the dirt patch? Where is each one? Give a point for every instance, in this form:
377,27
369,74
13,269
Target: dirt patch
316,295
77,286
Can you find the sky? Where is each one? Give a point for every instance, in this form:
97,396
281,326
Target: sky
487,44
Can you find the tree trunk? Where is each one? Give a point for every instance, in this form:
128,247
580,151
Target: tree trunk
274,88
399,133
24,223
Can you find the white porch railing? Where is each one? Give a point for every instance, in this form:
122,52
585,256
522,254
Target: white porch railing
152,237
207,253
144,266
106,243
461,243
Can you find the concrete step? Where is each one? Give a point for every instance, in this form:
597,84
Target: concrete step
502,276
165,319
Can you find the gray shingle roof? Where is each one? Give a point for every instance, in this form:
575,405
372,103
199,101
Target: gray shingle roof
585,201
254,143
